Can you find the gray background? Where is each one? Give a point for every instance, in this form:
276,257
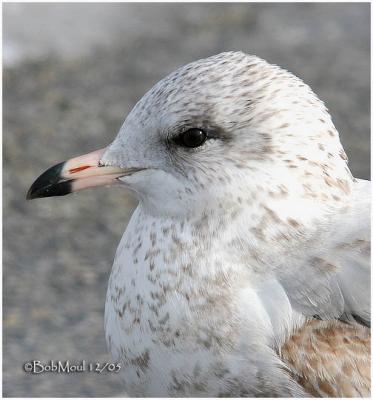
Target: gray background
71,74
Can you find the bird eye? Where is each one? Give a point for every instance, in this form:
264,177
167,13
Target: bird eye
191,138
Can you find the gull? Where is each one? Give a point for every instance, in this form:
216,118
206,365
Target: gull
245,269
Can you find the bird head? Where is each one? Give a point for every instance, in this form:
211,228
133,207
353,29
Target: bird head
228,124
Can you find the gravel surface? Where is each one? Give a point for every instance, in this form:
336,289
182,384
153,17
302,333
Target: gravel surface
72,73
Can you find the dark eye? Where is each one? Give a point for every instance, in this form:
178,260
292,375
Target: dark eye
191,138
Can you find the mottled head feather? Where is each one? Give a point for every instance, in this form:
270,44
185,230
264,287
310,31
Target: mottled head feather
266,125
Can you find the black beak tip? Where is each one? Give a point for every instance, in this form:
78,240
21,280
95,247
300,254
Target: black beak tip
31,194
50,184
58,189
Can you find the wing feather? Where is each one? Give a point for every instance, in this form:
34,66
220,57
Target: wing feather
330,359
332,279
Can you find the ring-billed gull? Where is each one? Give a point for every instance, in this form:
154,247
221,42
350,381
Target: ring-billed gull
244,270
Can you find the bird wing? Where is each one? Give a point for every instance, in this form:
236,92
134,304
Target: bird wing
317,289
330,358
332,278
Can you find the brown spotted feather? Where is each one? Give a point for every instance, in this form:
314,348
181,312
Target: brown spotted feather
330,358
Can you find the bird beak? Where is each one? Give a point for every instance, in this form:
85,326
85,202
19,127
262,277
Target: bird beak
76,174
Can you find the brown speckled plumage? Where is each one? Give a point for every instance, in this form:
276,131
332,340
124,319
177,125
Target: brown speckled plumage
243,241
330,358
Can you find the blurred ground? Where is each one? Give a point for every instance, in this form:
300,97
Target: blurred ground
71,74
